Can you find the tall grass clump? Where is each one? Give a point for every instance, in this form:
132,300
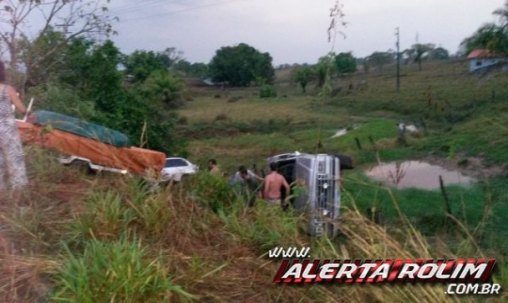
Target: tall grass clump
114,272
44,167
105,217
265,226
212,191
130,211
152,212
267,91
361,238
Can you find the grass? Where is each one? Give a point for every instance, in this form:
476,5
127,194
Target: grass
114,271
460,117
249,109
484,135
128,258
480,208
106,238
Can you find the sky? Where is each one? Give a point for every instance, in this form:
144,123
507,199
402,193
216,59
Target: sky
294,31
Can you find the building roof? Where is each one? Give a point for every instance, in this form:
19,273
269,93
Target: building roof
481,53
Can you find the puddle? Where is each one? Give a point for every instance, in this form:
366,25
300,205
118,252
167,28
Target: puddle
416,174
341,132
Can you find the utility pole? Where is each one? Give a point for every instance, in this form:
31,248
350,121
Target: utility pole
397,44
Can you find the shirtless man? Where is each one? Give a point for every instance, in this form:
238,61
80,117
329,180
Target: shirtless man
213,168
273,183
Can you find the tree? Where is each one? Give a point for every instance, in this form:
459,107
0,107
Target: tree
323,70
105,86
491,36
164,87
380,59
183,66
198,69
140,64
303,75
439,53
240,65
503,15
191,69
36,50
345,63
420,51
88,84
75,18
170,56
75,69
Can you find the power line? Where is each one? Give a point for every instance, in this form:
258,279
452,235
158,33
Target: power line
180,11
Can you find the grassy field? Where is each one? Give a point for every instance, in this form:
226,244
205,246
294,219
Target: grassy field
462,119
458,111
73,237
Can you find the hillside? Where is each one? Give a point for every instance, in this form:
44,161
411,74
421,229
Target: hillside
73,237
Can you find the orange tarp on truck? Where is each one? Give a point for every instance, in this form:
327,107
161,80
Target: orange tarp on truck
133,159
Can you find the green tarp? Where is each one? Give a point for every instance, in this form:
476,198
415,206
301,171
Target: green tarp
80,127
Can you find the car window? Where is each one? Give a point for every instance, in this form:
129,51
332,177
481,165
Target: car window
175,163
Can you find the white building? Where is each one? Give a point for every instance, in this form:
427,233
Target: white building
483,58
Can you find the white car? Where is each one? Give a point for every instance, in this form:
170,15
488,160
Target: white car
175,168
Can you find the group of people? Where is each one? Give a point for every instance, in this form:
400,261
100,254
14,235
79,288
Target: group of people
270,187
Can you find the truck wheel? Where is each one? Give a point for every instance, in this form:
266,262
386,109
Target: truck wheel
82,166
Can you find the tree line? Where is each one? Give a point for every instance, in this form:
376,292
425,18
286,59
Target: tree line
69,65
72,67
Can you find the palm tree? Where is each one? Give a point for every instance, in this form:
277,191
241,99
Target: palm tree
503,15
420,51
491,36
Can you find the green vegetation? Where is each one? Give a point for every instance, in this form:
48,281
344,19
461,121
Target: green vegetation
72,237
345,63
267,91
123,256
138,101
118,271
303,75
491,36
460,120
240,65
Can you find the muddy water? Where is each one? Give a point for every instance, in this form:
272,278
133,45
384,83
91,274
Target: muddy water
416,174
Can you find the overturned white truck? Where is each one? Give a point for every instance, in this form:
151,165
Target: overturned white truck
319,177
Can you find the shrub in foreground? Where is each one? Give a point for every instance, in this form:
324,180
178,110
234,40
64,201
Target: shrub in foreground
114,272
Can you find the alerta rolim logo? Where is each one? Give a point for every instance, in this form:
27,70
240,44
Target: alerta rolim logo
467,276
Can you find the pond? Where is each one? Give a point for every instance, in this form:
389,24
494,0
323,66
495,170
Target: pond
417,174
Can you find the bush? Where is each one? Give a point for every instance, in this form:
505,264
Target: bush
63,99
221,117
264,226
114,272
234,99
267,91
213,191
133,212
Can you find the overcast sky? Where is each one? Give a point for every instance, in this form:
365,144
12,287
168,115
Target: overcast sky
294,31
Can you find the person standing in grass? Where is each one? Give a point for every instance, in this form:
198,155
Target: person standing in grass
213,168
248,184
12,162
274,182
